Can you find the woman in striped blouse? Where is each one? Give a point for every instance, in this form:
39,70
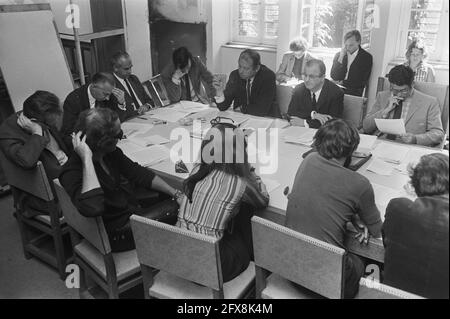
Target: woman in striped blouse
416,55
221,194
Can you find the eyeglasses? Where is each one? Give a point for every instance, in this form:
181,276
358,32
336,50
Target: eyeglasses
313,77
397,91
222,120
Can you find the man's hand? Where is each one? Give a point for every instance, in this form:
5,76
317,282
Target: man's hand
408,138
177,75
342,53
296,121
393,103
322,118
120,95
80,146
28,125
363,232
144,108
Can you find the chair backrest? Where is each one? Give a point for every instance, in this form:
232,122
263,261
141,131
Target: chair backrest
439,91
369,289
33,181
354,108
157,90
284,95
177,251
91,228
311,263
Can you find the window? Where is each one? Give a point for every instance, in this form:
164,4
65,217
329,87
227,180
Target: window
325,22
256,21
426,20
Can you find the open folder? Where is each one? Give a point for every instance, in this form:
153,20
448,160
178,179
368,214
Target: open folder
391,126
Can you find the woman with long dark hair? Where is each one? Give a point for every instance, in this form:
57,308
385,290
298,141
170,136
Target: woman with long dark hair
221,194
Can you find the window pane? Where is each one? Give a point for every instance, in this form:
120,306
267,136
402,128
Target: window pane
306,15
271,13
427,4
248,29
248,10
271,29
424,20
428,37
305,33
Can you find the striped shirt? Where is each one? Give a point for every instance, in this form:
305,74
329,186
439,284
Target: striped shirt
423,73
216,199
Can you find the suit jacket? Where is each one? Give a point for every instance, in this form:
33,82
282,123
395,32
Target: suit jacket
415,236
78,101
201,78
358,75
138,90
423,118
287,65
331,102
262,96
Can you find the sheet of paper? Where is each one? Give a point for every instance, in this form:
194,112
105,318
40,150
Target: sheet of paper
131,128
237,117
391,126
253,123
380,167
271,184
299,135
151,155
142,140
366,143
166,114
129,147
383,196
392,153
192,107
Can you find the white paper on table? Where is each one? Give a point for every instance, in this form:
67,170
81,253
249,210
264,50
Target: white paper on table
237,117
144,141
167,114
392,153
383,196
299,135
380,167
280,124
271,184
199,131
129,147
151,155
131,128
366,143
192,107
253,123
391,126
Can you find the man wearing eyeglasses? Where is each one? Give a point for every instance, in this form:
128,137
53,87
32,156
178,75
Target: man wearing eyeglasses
101,92
317,99
420,112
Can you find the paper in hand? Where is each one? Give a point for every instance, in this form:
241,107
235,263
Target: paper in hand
391,126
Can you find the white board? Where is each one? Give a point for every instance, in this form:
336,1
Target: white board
31,56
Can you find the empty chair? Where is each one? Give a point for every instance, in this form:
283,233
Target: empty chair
369,289
302,267
354,109
188,263
113,272
42,235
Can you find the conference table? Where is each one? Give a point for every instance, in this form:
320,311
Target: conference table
275,160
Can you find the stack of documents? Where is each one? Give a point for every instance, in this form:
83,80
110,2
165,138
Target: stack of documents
166,114
391,153
151,155
299,135
131,128
366,143
380,167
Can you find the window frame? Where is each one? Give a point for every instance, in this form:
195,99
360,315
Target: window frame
261,40
439,54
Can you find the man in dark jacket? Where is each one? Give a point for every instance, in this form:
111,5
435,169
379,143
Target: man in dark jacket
137,100
32,135
252,87
352,65
317,99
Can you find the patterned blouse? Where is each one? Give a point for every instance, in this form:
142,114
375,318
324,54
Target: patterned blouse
423,73
216,199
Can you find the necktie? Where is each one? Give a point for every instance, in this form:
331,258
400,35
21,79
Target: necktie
187,85
130,90
314,102
247,90
397,115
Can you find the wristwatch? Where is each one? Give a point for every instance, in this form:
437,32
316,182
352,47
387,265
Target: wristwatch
313,114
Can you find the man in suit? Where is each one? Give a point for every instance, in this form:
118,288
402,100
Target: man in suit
294,62
100,93
252,87
33,135
136,99
420,112
317,99
187,78
352,65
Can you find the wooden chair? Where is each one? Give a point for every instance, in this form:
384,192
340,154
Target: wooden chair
439,91
189,264
375,290
302,267
42,235
113,272
354,109
156,89
284,96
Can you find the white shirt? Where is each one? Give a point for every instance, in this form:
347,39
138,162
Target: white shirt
91,98
350,58
122,81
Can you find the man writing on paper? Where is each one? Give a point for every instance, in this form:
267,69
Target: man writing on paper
317,99
420,112
137,101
